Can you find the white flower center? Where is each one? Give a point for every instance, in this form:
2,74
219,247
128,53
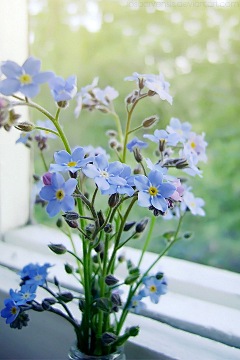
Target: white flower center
105,174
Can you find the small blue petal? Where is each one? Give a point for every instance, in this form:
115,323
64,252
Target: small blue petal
144,199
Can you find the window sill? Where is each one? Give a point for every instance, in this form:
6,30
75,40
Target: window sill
199,314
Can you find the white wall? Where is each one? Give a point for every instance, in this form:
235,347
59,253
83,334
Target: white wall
14,159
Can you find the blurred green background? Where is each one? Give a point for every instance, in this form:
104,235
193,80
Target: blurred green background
197,49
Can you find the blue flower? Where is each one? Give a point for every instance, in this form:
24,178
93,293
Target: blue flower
124,188
160,86
63,90
136,143
67,162
194,204
103,173
177,127
171,139
25,79
163,170
106,95
24,137
192,160
58,194
37,274
26,272
84,93
10,311
91,151
136,304
153,288
48,125
27,293
152,190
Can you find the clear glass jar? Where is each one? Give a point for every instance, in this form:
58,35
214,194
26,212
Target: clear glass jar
76,354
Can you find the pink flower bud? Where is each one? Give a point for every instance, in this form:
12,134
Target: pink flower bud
47,178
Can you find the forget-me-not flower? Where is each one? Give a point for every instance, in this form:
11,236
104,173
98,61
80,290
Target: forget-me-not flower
106,95
103,173
152,190
58,194
153,288
136,143
62,90
24,136
194,204
160,86
136,304
192,160
10,312
198,145
124,188
25,79
182,129
160,135
27,293
163,170
69,162
36,274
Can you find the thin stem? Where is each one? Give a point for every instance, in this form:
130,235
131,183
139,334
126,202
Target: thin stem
135,129
59,301
148,239
144,170
94,196
44,162
45,129
119,127
74,253
123,243
37,107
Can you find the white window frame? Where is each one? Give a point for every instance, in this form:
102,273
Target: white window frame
198,318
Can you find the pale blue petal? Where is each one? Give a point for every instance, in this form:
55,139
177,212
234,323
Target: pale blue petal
102,183
130,180
68,203
47,193
115,168
5,312
154,298
141,182
85,161
166,190
159,203
11,69
30,90
70,186
62,157
32,66
90,171
101,161
53,208
43,77
151,137
116,180
58,167
144,199
155,177
110,191
57,181
9,86
161,134
78,154
126,189
126,171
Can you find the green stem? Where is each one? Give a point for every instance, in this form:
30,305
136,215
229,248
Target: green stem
123,243
51,131
148,239
44,162
119,127
135,129
79,261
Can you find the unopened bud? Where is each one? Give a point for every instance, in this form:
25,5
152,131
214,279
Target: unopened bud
68,269
111,133
90,228
113,143
25,127
99,247
140,227
56,282
110,280
182,164
137,154
46,305
140,83
119,148
115,308
159,275
138,170
109,338
100,217
162,145
151,93
63,104
129,225
147,123
71,215
108,228
103,109
113,200
36,177
59,223
47,178
58,249
72,223
65,297
133,331
115,299
121,258
128,99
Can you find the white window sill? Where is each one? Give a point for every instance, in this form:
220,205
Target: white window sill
200,311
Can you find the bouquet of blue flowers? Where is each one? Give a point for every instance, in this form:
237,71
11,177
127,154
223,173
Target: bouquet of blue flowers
66,187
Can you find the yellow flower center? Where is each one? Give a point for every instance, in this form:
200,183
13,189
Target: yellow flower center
26,296
38,277
72,163
59,194
14,310
135,303
180,132
152,191
25,79
105,174
193,145
47,132
153,288
193,204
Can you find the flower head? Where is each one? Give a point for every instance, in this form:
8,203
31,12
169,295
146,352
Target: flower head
25,79
103,173
136,304
177,195
66,162
136,143
125,188
24,136
37,274
58,194
153,288
192,160
152,190
181,129
194,204
197,145
162,135
62,90
27,293
106,95
10,312
159,86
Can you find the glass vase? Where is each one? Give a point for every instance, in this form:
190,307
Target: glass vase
76,354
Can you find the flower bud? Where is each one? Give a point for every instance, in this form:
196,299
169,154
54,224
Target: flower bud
137,155
46,305
147,123
119,148
110,280
115,299
159,275
182,164
109,339
128,99
138,170
99,247
63,104
103,109
65,297
72,223
113,200
58,249
140,227
111,133
47,178
151,93
113,143
108,228
68,269
25,127
129,225
59,223
90,228
56,282
140,83
115,308
162,145
71,215
121,258
100,217
36,177
133,331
